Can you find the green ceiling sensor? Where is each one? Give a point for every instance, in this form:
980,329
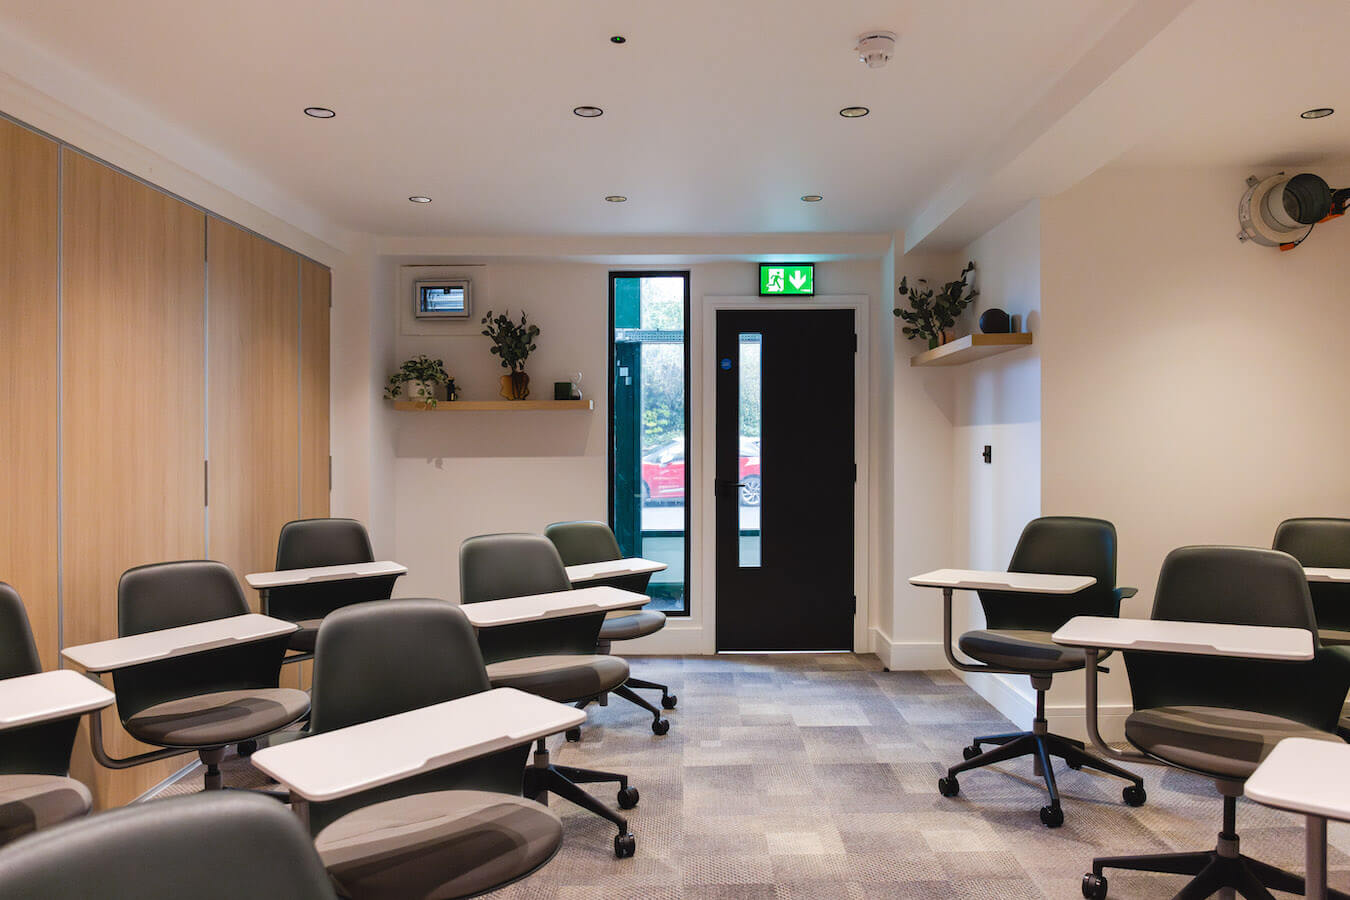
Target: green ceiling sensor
787,279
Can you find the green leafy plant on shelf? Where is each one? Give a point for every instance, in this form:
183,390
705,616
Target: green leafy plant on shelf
417,379
931,312
512,343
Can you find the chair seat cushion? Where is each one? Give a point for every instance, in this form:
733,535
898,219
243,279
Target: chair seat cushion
303,638
633,625
560,678
1023,650
213,720
438,845
30,802
1226,743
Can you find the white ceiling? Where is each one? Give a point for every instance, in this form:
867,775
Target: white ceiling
718,115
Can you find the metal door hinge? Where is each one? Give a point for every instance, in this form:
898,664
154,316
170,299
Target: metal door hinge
855,473
855,343
206,482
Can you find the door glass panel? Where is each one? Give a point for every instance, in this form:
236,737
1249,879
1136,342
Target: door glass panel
649,447
748,434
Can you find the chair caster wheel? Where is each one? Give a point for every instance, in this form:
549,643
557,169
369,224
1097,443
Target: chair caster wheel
970,752
668,701
247,749
949,787
573,735
628,798
1073,765
1134,795
660,726
1094,887
1052,816
625,845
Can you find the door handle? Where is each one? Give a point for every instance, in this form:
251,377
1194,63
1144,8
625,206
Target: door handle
720,483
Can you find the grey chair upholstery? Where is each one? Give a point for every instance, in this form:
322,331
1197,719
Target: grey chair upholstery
455,832
1220,716
1016,640
311,543
554,658
205,847
202,701
579,543
1323,543
35,790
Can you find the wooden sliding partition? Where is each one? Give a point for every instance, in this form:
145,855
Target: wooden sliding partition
132,431
141,340
254,411
29,377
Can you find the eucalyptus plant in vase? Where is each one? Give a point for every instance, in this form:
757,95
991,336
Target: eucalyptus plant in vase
931,313
512,343
417,379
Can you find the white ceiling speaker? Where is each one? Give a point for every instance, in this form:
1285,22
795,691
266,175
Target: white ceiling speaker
1281,210
876,48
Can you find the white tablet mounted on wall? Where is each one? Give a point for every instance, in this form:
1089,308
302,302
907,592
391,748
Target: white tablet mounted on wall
441,298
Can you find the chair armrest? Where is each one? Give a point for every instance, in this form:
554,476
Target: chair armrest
1191,638
1125,593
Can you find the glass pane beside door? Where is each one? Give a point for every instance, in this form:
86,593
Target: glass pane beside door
750,484
649,446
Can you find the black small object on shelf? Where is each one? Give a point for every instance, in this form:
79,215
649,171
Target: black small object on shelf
995,321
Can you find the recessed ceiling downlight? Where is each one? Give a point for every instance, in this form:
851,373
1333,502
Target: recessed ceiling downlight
812,198
616,198
1320,113
854,112
418,198
618,39
319,112
588,112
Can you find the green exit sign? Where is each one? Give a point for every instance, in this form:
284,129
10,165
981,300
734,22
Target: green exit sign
787,279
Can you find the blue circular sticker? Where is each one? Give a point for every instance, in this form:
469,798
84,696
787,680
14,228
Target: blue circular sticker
726,364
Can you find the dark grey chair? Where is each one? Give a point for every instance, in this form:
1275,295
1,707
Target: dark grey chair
1323,543
1016,640
1220,716
35,788
203,701
455,832
206,847
554,658
579,543
309,544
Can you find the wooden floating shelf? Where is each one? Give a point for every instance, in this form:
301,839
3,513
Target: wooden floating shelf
493,405
970,348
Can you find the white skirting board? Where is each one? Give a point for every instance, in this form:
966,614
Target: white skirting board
1005,694
907,656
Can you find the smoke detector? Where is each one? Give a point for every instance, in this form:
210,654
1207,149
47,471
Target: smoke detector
875,48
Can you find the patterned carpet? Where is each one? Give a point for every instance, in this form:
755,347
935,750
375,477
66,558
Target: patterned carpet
804,777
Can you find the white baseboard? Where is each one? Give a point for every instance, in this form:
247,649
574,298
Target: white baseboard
673,640
907,656
1012,696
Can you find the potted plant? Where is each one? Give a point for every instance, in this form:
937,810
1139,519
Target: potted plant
417,379
512,343
931,313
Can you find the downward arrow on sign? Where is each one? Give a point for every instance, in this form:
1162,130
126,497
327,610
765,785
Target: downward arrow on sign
798,279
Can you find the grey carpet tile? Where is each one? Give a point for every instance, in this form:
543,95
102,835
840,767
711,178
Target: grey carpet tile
814,777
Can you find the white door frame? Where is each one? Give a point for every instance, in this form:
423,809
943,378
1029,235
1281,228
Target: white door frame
702,485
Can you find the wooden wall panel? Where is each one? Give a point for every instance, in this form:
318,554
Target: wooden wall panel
28,377
253,311
133,280
315,291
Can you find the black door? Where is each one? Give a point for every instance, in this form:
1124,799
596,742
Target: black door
785,475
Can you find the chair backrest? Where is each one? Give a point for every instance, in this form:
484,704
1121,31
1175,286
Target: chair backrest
579,543
1239,586
1058,545
18,650
1322,543
310,543
37,749
380,659
214,846
493,566
168,595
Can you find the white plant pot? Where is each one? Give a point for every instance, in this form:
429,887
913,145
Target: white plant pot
413,391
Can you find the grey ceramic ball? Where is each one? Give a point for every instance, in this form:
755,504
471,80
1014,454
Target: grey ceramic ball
995,321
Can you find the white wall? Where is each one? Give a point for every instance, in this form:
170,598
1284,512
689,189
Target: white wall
465,473
1193,386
